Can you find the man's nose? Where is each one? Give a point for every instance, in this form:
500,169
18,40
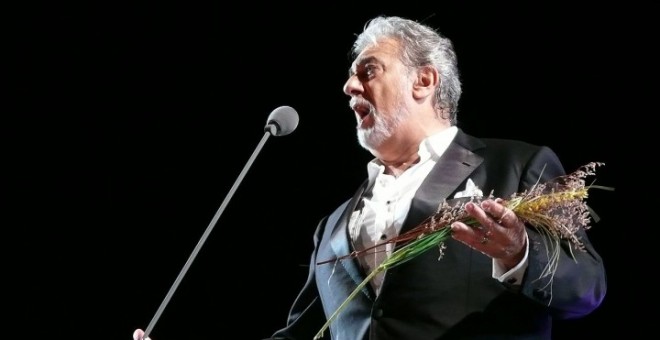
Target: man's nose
352,86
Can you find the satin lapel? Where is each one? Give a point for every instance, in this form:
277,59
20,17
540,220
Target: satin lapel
341,243
453,167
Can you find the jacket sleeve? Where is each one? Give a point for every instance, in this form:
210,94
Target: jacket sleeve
577,285
306,315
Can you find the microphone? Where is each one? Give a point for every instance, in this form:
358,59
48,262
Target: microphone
281,122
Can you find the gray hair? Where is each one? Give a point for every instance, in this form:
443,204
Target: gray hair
421,46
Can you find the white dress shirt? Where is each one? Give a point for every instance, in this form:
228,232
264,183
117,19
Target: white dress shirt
387,201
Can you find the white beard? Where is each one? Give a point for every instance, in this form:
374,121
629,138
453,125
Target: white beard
383,128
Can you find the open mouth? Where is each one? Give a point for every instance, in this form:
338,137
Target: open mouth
362,111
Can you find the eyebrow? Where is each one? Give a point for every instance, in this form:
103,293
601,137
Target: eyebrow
362,61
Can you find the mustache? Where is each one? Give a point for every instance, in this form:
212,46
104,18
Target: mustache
361,104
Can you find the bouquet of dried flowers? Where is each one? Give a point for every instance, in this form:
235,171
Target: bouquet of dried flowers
557,209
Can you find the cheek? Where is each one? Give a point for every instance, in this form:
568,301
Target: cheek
385,95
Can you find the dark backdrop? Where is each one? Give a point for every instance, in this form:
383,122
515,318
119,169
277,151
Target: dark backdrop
136,119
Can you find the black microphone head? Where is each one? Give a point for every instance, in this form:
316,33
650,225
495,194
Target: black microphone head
282,121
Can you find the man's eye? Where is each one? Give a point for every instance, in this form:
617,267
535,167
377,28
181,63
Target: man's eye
367,72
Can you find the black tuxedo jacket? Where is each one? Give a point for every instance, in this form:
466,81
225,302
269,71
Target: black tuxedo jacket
454,297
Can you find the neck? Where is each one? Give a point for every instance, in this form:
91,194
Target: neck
400,153
399,166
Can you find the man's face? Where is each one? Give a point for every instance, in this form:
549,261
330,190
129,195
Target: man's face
380,86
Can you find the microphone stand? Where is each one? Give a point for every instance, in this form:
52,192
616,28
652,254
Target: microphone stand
270,129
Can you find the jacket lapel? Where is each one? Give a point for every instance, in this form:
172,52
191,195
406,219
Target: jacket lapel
341,243
453,168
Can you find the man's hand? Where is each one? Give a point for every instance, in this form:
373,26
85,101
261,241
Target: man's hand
500,234
139,335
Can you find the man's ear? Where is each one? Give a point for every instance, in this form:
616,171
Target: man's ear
427,80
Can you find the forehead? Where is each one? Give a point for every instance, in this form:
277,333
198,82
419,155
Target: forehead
381,51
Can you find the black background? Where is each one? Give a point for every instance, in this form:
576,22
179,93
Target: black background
136,119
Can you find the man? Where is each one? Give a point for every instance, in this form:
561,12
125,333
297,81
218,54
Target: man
404,89
491,282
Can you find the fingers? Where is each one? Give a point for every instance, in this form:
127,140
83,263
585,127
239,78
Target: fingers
479,235
498,212
139,335
477,238
497,232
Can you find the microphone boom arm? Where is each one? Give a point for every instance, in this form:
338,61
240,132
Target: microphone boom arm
208,230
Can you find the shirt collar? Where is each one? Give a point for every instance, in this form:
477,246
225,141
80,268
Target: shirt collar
432,146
